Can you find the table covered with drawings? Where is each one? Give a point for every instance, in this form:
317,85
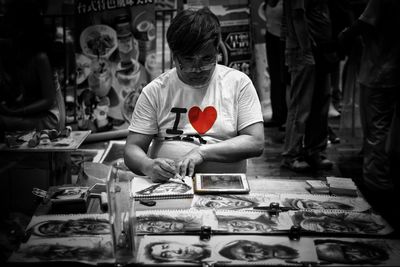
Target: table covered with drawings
44,141
54,146
277,223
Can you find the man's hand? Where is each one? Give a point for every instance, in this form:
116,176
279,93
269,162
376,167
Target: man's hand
160,169
185,166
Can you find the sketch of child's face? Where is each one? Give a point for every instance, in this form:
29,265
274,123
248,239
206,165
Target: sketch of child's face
241,225
159,226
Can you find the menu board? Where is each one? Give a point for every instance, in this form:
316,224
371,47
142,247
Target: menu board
115,43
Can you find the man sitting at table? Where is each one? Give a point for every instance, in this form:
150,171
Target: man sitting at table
199,116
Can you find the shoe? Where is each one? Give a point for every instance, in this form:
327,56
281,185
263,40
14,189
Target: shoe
296,165
333,113
319,162
332,137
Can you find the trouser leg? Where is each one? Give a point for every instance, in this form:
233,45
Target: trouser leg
278,87
316,132
379,109
300,100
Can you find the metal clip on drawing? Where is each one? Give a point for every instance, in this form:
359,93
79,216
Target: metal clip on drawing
273,209
207,264
295,232
205,233
147,202
305,263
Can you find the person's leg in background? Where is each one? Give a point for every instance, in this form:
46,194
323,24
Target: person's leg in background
278,87
285,79
336,91
379,183
316,132
379,111
334,103
299,106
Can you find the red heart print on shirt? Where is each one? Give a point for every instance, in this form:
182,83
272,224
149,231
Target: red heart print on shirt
202,121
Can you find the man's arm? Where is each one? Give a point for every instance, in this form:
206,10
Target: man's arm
249,143
364,25
300,27
138,162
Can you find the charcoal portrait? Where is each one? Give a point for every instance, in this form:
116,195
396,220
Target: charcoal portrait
221,181
228,202
337,223
69,228
175,251
169,187
350,252
160,223
237,224
251,251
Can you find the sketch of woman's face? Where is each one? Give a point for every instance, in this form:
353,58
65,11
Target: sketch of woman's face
219,202
69,193
170,187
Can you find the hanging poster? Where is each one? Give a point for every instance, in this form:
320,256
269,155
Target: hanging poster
235,48
115,58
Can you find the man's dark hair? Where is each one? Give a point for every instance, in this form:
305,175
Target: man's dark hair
192,30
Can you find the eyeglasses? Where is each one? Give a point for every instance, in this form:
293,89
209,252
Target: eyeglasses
203,64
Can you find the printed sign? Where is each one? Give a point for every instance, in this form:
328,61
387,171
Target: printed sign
115,57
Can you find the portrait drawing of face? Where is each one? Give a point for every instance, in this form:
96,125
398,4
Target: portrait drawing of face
251,251
69,193
78,227
243,224
340,251
225,202
168,251
169,187
49,252
317,205
336,223
222,181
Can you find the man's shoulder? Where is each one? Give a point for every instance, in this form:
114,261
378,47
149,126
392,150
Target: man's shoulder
160,82
232,74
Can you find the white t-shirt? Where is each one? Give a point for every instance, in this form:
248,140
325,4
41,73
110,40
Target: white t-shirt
172,110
